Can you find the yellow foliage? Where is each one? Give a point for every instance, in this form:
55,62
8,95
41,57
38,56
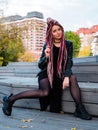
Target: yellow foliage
84,51
26,57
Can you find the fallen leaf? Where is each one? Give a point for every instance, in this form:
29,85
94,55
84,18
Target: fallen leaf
62,112
23,126
73,129
8,127
26,120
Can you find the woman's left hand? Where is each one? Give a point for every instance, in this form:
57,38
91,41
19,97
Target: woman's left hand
65,83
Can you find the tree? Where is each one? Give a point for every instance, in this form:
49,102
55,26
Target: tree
27,56
84,51
1,61
76,41
10,43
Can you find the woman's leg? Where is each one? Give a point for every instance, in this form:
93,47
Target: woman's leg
37,93
76,94
44,101
75,90
8,101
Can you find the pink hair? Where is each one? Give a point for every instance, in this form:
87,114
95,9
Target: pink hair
62,52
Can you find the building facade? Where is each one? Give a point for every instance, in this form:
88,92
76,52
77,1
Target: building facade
89,37
33,37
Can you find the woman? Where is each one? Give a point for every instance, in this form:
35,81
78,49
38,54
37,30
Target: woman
56,74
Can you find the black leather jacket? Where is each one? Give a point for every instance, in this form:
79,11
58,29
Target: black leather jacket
42,64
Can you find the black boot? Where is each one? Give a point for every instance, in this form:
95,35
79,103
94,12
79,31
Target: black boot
82,113
7,105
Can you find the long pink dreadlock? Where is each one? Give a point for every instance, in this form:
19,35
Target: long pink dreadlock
62,52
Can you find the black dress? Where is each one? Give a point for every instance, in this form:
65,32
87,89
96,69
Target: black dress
55,95
54,98
56,91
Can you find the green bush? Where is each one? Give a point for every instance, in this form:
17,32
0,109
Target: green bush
1,61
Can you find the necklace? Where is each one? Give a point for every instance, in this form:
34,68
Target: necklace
57,41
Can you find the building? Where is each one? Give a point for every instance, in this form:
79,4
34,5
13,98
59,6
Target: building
89,36
34,36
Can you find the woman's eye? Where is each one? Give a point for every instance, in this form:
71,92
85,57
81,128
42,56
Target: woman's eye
59,29
54,31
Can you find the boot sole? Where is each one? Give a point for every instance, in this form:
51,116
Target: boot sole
77,115
4,111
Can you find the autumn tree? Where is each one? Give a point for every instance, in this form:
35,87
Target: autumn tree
27,56
84,51
76,41
10,43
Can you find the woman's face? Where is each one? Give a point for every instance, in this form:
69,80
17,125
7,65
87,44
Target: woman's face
56,32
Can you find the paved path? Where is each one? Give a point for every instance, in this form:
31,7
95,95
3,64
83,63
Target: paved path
36,120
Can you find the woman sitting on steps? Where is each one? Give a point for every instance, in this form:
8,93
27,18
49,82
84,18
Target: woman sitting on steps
56,75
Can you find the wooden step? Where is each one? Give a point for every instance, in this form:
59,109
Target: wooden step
89,95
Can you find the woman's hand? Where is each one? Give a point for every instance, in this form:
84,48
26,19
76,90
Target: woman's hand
47,51
65,83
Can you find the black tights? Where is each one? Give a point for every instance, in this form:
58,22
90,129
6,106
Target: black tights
33,93
55,96
50,96
75,90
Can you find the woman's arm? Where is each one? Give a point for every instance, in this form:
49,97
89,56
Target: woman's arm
42,64
69,62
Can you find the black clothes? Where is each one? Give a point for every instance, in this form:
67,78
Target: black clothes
42,64
56,91
53,100
55,95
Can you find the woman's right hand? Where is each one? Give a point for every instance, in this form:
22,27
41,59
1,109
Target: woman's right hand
65,83
47,51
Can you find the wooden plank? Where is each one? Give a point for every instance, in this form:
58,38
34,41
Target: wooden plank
87,77
5,89
28,103
69,107
87,97
85,68
89,59
85,72
89,90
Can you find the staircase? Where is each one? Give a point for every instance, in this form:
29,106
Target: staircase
20,76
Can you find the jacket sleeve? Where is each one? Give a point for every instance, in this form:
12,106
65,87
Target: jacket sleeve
69,62
42,64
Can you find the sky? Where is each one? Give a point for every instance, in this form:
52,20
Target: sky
72,14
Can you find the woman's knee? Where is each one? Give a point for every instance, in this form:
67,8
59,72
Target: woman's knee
45,93
73,78
73,81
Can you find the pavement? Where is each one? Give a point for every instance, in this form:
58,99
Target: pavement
31,119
